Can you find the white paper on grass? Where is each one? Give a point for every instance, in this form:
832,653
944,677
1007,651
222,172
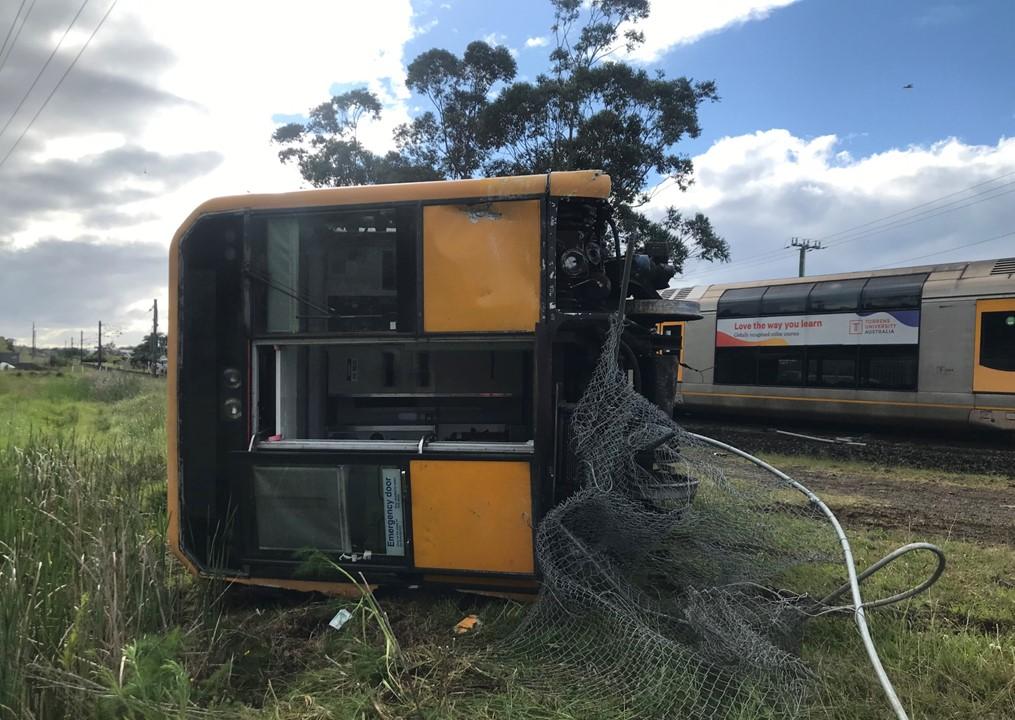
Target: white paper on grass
341,618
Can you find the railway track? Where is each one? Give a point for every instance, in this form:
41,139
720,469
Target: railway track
970,453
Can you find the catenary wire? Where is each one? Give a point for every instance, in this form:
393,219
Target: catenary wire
17,34
42,70
952,249
916,207
58,83
959,204
10,30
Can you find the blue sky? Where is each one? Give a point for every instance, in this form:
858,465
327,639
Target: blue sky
814,67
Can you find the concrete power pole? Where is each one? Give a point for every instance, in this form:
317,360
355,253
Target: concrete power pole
81,346
805,246
99,364
33,340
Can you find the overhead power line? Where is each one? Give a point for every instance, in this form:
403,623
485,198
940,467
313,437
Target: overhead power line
951,249
11,28
917,207
991,193
58,83
932,213
10,50
42,71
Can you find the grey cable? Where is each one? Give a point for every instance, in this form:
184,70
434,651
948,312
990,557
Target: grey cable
58,84
42,71
887,560
853,582
10,30
17,34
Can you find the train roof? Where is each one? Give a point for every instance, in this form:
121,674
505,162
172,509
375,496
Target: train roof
575,183
979,278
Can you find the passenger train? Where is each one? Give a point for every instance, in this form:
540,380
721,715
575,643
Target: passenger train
929,345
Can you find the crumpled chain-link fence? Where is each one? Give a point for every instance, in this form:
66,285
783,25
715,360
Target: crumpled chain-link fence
664,574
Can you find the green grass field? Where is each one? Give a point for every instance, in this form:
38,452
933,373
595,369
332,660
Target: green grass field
98,621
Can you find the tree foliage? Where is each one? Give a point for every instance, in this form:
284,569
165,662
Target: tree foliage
145,353
329,153
588,110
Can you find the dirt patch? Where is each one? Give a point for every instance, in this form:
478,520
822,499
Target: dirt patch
985,453
969,513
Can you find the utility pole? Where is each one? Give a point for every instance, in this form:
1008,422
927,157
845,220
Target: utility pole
81,346
33,339
805,246
155,336
99,365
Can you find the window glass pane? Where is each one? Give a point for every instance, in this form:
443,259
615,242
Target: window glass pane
831,367
736,366
404,392
997,340
342,508
835,296
741,302
334,272
896,292
888,367
785,299
780,367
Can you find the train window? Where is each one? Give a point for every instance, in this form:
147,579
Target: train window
736,366
831,367
888,367
338,508
896,292
997,340
781,366
785,299
740,302
835,296
368,392
352,271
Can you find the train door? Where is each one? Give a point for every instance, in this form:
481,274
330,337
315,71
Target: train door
994,353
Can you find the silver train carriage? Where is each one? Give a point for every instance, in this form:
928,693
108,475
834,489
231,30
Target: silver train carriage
928,345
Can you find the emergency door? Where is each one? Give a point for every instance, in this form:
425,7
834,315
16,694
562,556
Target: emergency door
994,358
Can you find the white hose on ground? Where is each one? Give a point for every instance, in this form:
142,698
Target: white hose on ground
853,582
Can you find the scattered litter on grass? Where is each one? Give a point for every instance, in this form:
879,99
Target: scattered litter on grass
467,624
341,618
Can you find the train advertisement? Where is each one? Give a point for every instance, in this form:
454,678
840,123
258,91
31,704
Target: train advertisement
896,327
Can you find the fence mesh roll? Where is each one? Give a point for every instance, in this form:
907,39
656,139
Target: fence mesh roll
676,580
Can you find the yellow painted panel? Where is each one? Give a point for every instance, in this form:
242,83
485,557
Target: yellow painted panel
472,515
481,267
985,379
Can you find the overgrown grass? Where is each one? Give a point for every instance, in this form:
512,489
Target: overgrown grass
96,621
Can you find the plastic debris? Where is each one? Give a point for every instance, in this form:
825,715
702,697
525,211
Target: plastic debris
467,624
341,618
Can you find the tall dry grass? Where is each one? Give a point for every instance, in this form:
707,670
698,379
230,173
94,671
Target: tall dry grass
83,565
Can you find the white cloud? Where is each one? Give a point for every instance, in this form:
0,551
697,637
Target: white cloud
203,78
533,42
763,188
673,23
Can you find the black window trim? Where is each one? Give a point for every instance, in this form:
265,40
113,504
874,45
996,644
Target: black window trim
805,355
816,284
